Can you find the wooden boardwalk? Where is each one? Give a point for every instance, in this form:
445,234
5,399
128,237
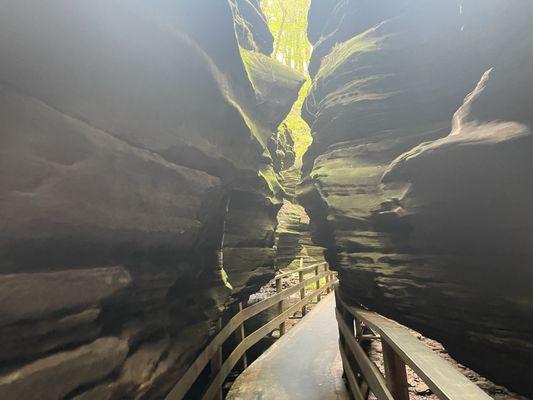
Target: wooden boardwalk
307,363
303,364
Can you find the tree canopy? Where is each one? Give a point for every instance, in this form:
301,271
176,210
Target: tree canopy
287,20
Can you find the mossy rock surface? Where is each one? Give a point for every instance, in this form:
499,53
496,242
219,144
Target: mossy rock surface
275,84
415,181
132,138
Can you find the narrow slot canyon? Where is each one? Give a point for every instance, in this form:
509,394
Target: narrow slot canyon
266,199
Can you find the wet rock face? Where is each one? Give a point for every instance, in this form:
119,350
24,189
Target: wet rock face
418,177
133,150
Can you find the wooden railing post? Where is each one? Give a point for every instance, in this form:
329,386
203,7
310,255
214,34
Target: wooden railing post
395,373
359,387
358,329
212,356
280,306
302,290
346,315
327,278
216,362
338,306
240,335
317,284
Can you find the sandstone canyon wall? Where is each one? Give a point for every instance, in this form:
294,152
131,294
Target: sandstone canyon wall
137,192
419,176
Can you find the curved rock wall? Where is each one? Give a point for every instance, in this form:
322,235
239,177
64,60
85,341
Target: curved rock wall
133,168
251,26
418,178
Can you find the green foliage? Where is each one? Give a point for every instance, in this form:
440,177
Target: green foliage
300,131
287,20
312,286
225,278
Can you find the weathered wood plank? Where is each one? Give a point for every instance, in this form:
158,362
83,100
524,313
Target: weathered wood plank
440,376
216,362
317,283
252,339
350,375
368,368
302,292
305,270
395,373
240,335
185,383
279,289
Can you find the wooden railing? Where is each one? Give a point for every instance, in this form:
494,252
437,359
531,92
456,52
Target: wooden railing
212,354
399,348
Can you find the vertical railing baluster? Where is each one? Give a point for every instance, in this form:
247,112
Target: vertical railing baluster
326,278
349,319
302,290
317,284
216,362
240,335
395,373
280,306
358,329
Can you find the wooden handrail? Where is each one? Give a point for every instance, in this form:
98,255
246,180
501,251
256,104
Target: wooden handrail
304,270
400,348
368,368
351,378
212,350
252,339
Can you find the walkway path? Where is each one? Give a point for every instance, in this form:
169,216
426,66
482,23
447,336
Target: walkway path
304,364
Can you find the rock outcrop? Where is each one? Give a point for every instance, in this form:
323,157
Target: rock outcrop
418,179
251,26
276,87
68,370
137,191
293,236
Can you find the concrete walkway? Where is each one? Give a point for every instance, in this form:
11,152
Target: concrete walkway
304,364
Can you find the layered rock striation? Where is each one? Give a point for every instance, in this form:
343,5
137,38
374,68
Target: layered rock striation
293,235
418,179
137,190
